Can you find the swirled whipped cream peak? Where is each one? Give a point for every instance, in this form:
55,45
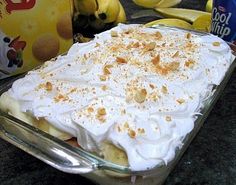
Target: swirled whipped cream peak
138,88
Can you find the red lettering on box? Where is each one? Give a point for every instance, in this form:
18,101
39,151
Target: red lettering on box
23,5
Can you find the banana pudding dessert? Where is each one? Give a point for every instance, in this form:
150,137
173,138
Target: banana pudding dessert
130,95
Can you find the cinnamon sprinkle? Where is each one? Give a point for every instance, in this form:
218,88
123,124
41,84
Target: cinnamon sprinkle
216,43
90,109
158,35
140,96
180,101
164,69
176,54
150,46
48,86
120,60
188,35
164,89
101,111
60,97
156,60
141,130
189,63
132,133
106,69
103,78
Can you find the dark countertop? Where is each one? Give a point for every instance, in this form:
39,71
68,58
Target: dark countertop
209,160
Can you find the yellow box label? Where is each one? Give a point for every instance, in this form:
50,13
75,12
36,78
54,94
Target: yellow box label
31,32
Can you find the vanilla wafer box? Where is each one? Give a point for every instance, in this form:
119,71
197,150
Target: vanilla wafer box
32,32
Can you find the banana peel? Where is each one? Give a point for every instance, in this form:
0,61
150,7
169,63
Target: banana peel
85,7
167,3
181,13
209,5
203,23
121,18
108,10
147,3
170,22
108,13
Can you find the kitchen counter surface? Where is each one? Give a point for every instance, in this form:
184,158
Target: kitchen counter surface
209,160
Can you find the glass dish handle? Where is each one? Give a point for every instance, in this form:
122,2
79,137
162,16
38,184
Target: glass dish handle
49,149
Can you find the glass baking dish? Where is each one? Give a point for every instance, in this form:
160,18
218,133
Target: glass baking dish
70,159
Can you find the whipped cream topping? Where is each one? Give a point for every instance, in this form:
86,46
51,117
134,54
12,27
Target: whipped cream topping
138,88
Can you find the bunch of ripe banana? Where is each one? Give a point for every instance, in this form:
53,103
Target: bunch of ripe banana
93,16
177,17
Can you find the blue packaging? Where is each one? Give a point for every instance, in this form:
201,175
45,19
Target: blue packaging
224,20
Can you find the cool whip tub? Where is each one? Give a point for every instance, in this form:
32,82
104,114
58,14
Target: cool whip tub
223,20
137,89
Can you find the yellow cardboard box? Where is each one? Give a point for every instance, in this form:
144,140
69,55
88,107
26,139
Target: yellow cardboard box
31,32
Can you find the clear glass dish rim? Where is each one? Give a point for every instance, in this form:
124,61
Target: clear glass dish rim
97,163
